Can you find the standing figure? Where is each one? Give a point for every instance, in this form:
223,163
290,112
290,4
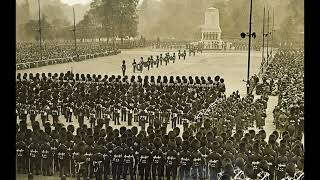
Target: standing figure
123,67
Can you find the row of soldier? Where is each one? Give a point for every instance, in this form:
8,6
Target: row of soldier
147,103
207,154
150,62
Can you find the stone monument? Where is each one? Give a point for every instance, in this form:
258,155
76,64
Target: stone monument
211,31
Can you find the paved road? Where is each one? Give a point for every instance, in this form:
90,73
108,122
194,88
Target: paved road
231,66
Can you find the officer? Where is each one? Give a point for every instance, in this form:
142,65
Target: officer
81,115
123,68
161,58
117,159
129,160
134,64
148,63
157,60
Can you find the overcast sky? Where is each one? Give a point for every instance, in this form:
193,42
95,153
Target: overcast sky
72,2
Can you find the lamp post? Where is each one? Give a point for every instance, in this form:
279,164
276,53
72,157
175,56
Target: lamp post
40,32
74,33
243,35
263,36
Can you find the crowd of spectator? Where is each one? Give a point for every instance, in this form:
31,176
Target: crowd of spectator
30,51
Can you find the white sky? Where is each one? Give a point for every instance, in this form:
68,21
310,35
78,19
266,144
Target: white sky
72,2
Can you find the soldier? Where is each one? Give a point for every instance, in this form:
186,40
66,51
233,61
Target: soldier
92,119
81,115
44,114
129,160
174,57
74,153
157,61
161,58
69,111
197,160
106,117
62,158
144,160
80,167
130,115
214,161
184,54
123,68
179,54
97,162
148,63
22,154
106,160
53,150
33,114
239,169
134,64
124,112
117,159
204,150
88,155
55,116
34,157
157,160
185,161
117,116
172,161
45,153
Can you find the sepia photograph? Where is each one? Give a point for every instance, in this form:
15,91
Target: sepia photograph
159,90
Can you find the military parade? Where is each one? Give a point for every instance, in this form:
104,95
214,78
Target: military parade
114,95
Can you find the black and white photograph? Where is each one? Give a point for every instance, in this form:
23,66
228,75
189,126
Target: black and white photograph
159,90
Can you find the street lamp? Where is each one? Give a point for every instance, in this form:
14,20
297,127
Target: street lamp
243,35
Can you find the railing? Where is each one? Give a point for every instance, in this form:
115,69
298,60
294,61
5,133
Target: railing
35,64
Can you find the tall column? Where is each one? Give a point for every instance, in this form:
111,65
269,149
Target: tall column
201,35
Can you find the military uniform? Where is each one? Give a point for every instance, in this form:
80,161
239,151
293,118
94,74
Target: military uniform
117,162
144,163
22,156
45,154
80,167
97,162
63,159
88,155
197,164
185,164
158,164
34,158
129,162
